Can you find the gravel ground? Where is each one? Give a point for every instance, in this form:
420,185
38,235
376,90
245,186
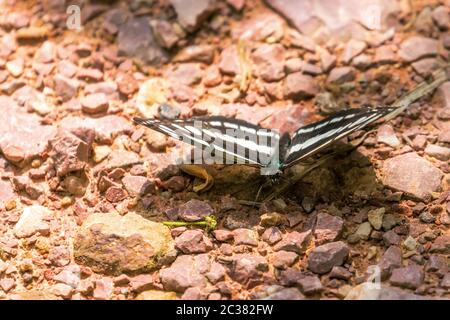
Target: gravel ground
84,191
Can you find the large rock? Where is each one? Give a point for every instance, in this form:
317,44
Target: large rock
111,243
136,39
22,136
413,175
191,13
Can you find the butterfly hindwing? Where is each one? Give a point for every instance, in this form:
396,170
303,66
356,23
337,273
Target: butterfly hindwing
312,138
238,140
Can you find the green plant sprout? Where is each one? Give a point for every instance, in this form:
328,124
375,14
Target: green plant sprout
209,222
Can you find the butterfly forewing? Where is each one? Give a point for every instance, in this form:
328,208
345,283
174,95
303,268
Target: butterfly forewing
313,138
237,140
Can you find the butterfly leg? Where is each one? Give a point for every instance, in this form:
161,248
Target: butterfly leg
201,173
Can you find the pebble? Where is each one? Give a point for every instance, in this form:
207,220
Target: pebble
410,277
283,259
300,86
194,210
95,103
193,241
376,217
417,47
245,237
294,242
340,75
328,228
269,61
323,258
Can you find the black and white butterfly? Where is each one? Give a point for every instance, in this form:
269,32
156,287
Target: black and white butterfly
254,145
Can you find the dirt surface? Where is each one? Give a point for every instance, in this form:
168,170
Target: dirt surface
84,191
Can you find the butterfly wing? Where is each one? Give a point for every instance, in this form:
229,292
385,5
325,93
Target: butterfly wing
314,137
238,139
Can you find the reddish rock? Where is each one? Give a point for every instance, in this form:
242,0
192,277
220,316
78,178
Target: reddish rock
245,237
438,152
164,33
65,88
352,49
247,268
59,256
22,136
417,47
283,259
193,241
6,191
340,273
413,175
310,284
216,273
212,77
103,289
272,235
410,277
196,53
136,39
328,60
300,86
62,290
194,210
223,235
137,185
425,67
67,68
142,282
391,259
70,153
269,61
323,258
176,184
328,228
185,74
33,220
187,271
106,128
95,103
115,194
341,75
294,242
229,61
191,13
441,16
7,284
391,238
437,264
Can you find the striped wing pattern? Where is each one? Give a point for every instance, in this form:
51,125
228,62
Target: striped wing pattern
314,137
213,134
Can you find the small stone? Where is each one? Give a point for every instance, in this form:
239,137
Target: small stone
413,175
391,259
115,194
437,264
386,135
438,152
95,103
441,16
323,258
197,53
410,243
295,242
164,33
101,153
216,273
328,228
229,61
376,217
62,290
65,88
283,259
272,235
15,67
363,231
191,13
103,289
445,283
425,67
352,49
193,241
246,268
271,219
427,217
410,277
245,237
185,272
341,75
391,238
32,221
340,273
417,47
194,210
299,86
137,185
310,285
269,61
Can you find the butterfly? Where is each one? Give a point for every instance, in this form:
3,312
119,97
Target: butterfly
242,142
